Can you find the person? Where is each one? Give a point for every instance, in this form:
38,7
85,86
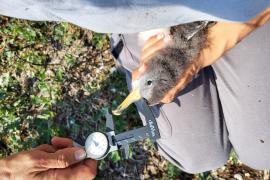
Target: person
221,103
57,161
224,96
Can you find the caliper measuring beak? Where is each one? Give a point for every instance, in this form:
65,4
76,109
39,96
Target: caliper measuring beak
99,144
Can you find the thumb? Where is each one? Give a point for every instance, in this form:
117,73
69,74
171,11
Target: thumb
65,157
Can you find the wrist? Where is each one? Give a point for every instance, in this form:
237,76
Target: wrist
5,172
224,35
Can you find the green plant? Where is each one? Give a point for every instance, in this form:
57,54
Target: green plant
173,171
233,157
99,40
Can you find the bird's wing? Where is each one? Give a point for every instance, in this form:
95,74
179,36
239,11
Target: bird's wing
196,29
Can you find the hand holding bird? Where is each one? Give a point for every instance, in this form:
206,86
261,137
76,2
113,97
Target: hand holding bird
168,63
150,49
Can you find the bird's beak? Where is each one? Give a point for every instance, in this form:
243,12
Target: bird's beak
133,96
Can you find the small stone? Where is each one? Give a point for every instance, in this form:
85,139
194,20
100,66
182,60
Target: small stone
155,161
238,177
214,173
162,165
223,168
146,176
152,170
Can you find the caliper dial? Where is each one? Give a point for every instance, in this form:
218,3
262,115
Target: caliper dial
96,145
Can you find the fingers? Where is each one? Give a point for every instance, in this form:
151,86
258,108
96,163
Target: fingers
153,45
169,97
186,77
152,40
85,170
46,148
76,172
137,72
60,143
64,158
91,165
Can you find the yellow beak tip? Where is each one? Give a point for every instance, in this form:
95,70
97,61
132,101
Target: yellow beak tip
116,112
132,97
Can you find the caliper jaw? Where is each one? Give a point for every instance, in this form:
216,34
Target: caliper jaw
124,148
121,141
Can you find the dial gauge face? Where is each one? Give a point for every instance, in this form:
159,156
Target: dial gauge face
96,145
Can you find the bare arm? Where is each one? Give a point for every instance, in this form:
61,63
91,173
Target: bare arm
222,37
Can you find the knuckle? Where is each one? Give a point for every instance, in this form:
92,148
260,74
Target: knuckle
62,161
42,162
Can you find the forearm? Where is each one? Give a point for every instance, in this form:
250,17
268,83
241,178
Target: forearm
223,36
5,173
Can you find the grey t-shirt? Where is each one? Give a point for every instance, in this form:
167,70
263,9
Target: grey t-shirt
128,16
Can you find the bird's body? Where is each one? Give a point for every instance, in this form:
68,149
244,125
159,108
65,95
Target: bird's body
165,69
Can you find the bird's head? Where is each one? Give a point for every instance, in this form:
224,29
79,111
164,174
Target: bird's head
152,84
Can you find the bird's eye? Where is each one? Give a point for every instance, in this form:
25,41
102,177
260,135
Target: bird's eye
149,82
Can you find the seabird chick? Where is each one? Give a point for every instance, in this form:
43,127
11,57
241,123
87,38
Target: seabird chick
165,68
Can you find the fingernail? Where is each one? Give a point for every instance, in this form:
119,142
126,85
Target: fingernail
167,38
160,36
80,154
